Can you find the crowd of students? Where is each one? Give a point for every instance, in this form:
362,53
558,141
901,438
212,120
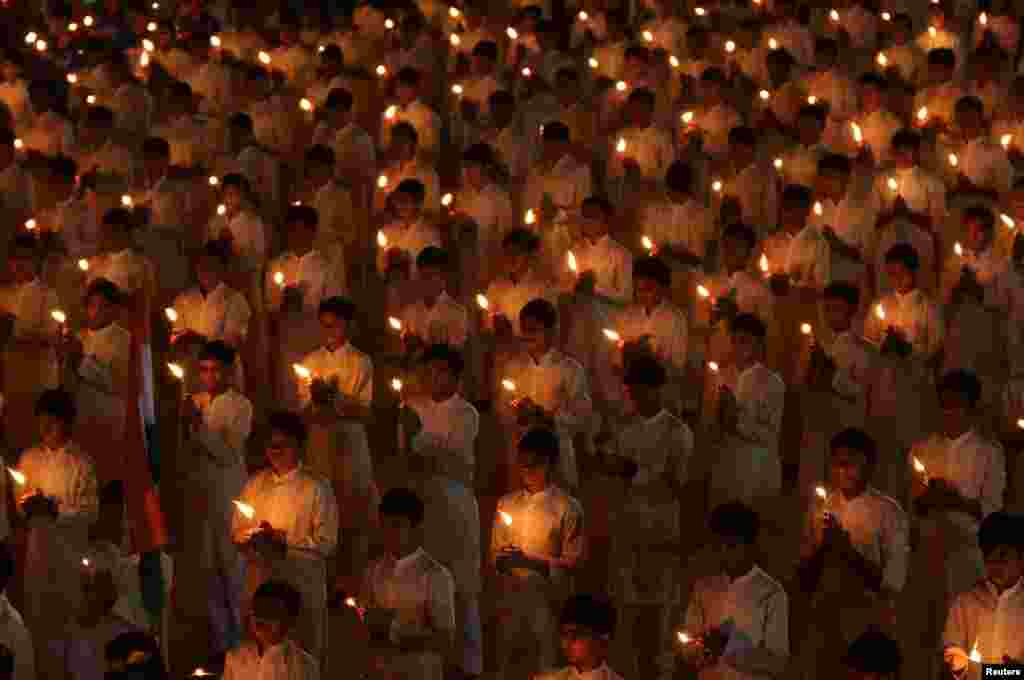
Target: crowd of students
520,340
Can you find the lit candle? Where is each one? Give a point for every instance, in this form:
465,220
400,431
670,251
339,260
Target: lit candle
201,673
279,279
684,638
306,105
777,163
882,60
457,90
975,655
302,372
264,58
18,477
730,46
144,60
73,27
773,44
1020,423
382,182
932,31
527,72
893,184
382,70
222,210
1005,141
593,63
958,249
88,21
512,33
613,336
716,186
687,117
621,146
72,78
919,468
703,292
382,240
674,62
86,563
482,302
150,27
648,36
214,180
764,95
983,19
19,145
812,100
455,40
395,324
83,264
31,37
821,493
1007,220
177,371
570,260
351,602
247,510
762,264
41,45
880,311
396,387
621,86
922,115
806,329
59,316
886,16
171,314
454,12
834,15
953,160
647,243
700,11
391,112
858,134
389,24
447,200
30,224
583,16
126,201
530,217
713,366
215,41
148,45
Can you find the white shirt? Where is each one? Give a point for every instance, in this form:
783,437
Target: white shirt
451,425
249,236
285,661
298,503
350,368
651,148
16,637
567,183
351,144
612,265
557,383
752,611
423,118
65,475
226,426
410,238
915,314
682,225
748,291
989,620
106,355
313,273
31,304
923,192
222,314
665,326
508,297
445,322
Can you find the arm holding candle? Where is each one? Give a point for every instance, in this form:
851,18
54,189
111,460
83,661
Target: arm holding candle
437,633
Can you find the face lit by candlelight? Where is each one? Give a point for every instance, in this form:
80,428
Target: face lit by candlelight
848,471
1004,566
54,432
582,646
282,451
213,376
333,330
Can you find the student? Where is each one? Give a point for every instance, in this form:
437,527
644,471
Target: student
983,165
854,551
751,181
738,619
536,543
412,109
60,502
270,652
551,387
333,203
14,636
987,618
240,227
119,261
736,288
556,179
845,220
489,205
409,232
442,462
750,402
520,280
940,90
907,187
262,171
969,273
587,625
404,162
800,161
217,422
409,597
677,222
650,455
963,481
876,122
341,375
604,266
873,656
434,318
353,147
797,254
648,148
294,528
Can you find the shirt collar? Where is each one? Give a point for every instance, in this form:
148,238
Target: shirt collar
663,413
288,476
598,672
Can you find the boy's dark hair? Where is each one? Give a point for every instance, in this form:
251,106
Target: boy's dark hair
796,194
282,592
57,403
842,290
962,382
540,310
521,238
1000,529
486,49
904,254
339,99
874,652
742,232
447,354
541,444
306,215
6,566
749,324
856,440
290,424
405,131
408,76
402,502
339,306
479,154
735,520
679,177
156,147
906,140
645,370
942,56
412,188
744,135
219,351
599,202
106,289
981,214
555,131
834,163
593,612
320,155
434,257
652,268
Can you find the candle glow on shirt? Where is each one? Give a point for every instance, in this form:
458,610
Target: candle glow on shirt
508,385
570,259
505,518
482,302
612,335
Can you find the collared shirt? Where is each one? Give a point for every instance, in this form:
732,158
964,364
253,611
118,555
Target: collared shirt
248,233
451,425
665,326
836,88
16,637
113,158
756,187
988,620
940,100
423,118
612,265
687,225
878,127
808,259
508,297
567,183
715,124
170,203
51,134
557,383
982,161
106,357
317,277
851,218
30,304
915,314
800,164
923,191
222,314
650,147
299,503
82,649
491,209
661,446
445,322
410,238
878,529
853,359
78,225
748,290
760,397
129,270
350,368
227,424
66,475
352,145
284,661
752,611
333,204
549,522
902,230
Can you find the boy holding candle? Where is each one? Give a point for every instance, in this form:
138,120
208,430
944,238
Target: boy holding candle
737,620
443,435
60,501
342,376
536,544
798,249
845,220
294,529
412,110
353,147
520,282
854,552
982,164
401,164
587,624
906,321
800,160
217,422
986,620
550,387
971,268
649,458
270,652
434,318
557,181
677,223
240,227
648,149
402,239
752,181
119,261
876,122
409,597
922,193
940,90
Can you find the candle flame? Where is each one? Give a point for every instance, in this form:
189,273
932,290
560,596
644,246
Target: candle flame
391,112
126,201
148,45
958,249
763,263
382,70
215,41
512,33
1006,140
700,11
530,217
622,86
41,45
882,60
454,12
171,314
922,114
302,372
351,602
59,316
812,100
508,385
765,95
674,62
88,21
716,186
858,134
382,240
773,44
1020,423
893,184
447,200
880,311
886,16
932,31
593,63
396,385
777,163
30,224
1007,220
583,16
953,160
687,117
395,323
983,19
730,46
151,27
222,210
612,336
457,89
648,36
505,518
306,105
389,24
455,40
17,476
684,638
621,146
647,243
713,365
975,655
72,78
19,144
83,264
703,292
482,302
918,465
31,37
247,510
201,673
834,15
264,58
806,328
214,180
382,182
279,279
571,261
820,492
176,370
